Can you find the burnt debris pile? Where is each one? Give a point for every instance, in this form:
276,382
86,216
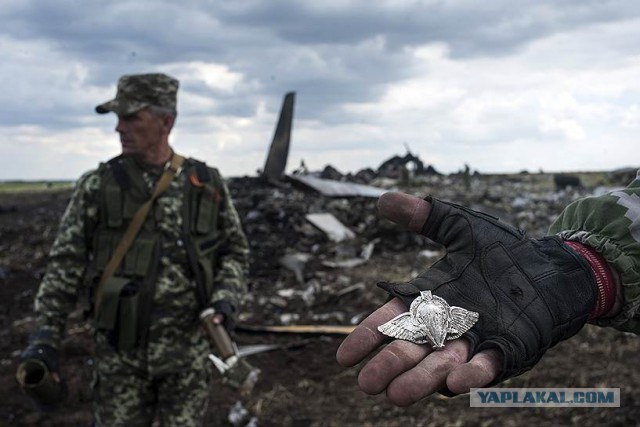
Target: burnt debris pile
302,243
316,255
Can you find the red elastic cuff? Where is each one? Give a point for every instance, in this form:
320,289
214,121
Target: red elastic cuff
604,278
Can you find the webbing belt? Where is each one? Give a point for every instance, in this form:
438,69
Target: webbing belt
134,226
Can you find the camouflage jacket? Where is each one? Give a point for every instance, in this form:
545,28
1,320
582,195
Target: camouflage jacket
611,225
174,335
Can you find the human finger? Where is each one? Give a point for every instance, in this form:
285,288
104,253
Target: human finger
393,360
428,376
365,338
480,371
404,209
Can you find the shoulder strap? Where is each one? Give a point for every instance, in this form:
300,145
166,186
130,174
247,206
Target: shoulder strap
134,226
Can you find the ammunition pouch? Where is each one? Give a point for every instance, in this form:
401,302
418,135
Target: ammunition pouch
127,296
119,316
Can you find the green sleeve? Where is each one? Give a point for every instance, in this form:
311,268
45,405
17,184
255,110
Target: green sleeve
60,286
610,223
230,282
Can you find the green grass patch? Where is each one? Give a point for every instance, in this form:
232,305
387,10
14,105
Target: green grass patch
34,186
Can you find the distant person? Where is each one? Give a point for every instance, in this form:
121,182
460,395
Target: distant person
529,294
302,169
190,254
466,177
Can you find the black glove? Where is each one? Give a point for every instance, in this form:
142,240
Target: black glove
229,312
37,380
530,293
43,352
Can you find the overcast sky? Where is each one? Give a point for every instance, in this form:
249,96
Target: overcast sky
503,86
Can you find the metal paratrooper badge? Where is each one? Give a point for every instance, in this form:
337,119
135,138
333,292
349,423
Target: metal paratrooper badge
431,320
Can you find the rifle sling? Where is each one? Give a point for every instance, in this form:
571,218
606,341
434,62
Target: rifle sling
134,227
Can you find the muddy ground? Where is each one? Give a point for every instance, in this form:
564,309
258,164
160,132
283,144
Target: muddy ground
301,384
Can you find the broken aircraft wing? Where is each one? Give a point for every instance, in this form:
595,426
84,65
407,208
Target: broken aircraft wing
331,188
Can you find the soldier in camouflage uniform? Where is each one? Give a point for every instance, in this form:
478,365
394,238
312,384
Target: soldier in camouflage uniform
190,254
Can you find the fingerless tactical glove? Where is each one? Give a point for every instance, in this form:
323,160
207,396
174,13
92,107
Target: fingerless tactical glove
229,312
530,293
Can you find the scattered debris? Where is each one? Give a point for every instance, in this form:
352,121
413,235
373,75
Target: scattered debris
238,414
622,176
397,167
366,253
349,289
563,181
248,350
296,262
332,227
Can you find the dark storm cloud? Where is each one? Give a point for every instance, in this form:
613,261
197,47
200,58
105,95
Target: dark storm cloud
332,53
470,28
255,37
190,29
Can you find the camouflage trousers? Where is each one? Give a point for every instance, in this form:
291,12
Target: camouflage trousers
130,399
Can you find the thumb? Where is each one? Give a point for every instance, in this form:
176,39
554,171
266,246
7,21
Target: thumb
405,210
217,319
435,220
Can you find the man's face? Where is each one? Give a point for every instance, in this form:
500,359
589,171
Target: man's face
141,133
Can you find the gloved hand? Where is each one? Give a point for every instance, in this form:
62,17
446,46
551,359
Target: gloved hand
530,293
39,376
43,352
227,310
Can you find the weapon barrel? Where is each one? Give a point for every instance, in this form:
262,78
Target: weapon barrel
36,380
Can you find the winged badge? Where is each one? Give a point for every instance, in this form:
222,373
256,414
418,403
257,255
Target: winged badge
430,319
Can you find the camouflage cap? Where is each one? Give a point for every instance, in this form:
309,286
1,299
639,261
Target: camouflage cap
137,91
